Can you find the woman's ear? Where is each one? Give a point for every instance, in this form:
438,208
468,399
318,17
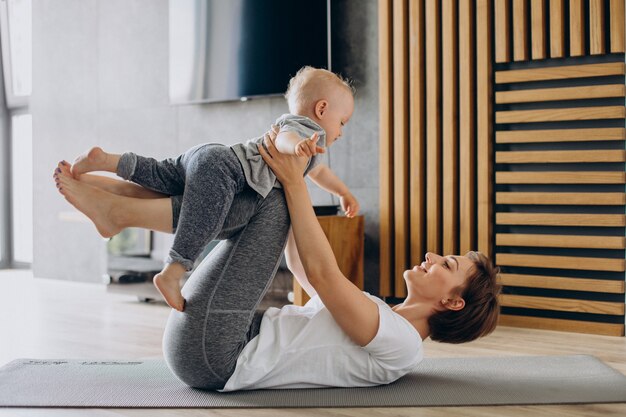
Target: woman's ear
454,304
320,108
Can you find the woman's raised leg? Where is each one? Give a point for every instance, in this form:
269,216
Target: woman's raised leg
202,343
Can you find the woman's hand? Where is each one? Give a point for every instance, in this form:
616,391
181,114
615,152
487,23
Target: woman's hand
287,168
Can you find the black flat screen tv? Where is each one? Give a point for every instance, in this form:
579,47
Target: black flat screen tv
221,50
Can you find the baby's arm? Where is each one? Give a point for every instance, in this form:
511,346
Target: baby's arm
291,143
326,179
295,265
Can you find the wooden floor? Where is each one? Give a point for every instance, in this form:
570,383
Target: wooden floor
55,319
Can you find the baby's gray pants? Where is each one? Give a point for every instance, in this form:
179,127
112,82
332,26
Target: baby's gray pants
207,176
201,344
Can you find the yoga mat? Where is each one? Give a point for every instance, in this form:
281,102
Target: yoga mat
436,382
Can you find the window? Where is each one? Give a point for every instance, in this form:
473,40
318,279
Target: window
16,48
22,187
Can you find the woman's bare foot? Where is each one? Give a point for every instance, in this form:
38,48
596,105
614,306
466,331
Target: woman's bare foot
95,203
94,160
168,284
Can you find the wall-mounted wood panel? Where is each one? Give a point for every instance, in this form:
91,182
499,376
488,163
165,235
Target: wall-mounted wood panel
433,126
484,92
596,27
560,73
520,27
385,152
576,28
400,136
539,29
503,31
561,135
562,229
521,160
433,200
450,155
417,129
617,26
467,121
557,29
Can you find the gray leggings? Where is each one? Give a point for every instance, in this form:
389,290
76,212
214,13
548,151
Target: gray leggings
207,176
201,345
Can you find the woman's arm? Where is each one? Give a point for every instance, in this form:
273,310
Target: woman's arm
353,311
295,265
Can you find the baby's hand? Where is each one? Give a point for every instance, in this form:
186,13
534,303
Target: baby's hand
349,204
308,147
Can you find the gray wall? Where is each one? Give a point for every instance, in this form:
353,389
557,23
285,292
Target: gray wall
100,76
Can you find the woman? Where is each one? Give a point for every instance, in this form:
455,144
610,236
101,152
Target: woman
341,337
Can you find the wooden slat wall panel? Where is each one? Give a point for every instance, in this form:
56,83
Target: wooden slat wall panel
557,29
563,283
569,177
576,28
437,154
562,304
561,262
520,157
617,26
560,94
552,115
563,325
561,219
450,127
561,135
542,232
467,122
385,50
401,140
596,27
429,132
567,20
560,73
503,31
578,199
417,128
520,24
538,25
433,127
560,241
484,139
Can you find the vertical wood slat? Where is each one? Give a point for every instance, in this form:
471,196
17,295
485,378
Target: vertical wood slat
484,86
596,27
520,23
450,125
433,129
467,166
385,42
538,25
503,31
557,29
400,143
417,130
617,26
576,28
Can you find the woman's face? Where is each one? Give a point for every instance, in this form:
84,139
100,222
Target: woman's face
436,279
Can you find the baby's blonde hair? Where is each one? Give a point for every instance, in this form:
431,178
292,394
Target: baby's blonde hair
310,85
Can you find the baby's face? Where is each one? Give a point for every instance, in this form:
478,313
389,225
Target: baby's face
340,108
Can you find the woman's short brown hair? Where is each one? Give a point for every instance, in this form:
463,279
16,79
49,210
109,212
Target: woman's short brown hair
479,317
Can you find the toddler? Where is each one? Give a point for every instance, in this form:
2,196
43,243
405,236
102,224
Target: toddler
209,176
